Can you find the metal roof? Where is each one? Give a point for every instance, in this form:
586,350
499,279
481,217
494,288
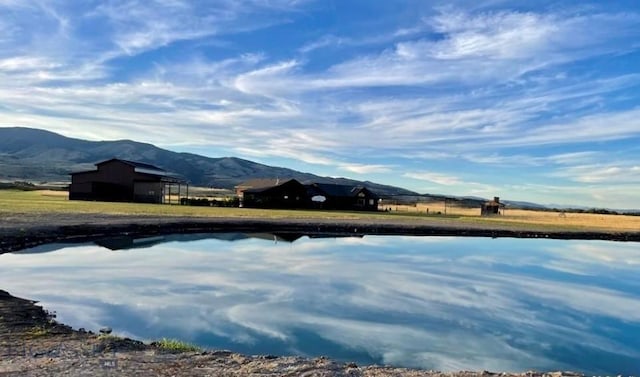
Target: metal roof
135,164
262,182
330,189
265,184
142,168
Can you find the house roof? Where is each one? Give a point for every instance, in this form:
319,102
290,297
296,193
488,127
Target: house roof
261,185
262,182
330,189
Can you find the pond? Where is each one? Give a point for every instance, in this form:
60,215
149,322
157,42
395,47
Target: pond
441,303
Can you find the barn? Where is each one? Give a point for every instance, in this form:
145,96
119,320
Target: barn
492,207
118,180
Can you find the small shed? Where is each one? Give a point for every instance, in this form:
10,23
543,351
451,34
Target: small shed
492,207
345,197
118,180
283,194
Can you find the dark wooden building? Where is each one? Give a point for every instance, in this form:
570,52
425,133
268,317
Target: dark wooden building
279,194
344,197
119,180
492,207
257,183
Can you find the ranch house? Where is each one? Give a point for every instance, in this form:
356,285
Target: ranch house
279,194
344,197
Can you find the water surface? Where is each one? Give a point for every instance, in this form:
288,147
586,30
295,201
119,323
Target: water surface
428,302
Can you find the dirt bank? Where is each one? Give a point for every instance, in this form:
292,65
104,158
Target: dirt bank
18,231
32,343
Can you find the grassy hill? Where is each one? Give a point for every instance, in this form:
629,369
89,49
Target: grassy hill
38,155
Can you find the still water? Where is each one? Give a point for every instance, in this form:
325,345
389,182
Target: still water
427,302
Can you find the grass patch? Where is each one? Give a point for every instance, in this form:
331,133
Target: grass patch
175,346
108,337
38,331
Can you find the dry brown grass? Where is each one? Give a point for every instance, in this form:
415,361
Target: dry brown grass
46,202
520,216
432,208
54,193
584,220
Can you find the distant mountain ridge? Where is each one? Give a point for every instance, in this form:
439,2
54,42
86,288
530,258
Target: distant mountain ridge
34,154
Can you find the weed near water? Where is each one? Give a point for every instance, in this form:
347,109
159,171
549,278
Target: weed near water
38,331
177,346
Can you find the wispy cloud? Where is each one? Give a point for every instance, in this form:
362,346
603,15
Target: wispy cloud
599,173
365,169
438,178
491,46
327,40
480,85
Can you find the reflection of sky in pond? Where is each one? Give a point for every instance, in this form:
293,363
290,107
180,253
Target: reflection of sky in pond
429,302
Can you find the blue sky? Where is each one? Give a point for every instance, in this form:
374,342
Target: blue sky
532,101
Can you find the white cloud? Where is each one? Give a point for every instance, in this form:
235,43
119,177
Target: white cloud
140,26
324,41
491,46
480,87
25,63
574,157
365,169
291,152
599,173
438,178
603,126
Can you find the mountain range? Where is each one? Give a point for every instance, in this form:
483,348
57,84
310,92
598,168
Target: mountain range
39,155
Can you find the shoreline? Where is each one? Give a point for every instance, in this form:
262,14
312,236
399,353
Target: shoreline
25,231
32,343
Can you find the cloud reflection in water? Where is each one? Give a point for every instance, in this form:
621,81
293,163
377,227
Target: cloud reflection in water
430,302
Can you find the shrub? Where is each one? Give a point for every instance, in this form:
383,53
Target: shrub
173,345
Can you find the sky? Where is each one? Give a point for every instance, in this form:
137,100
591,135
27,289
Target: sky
534,101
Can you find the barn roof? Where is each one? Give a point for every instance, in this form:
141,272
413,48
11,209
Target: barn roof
135,164
142,168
